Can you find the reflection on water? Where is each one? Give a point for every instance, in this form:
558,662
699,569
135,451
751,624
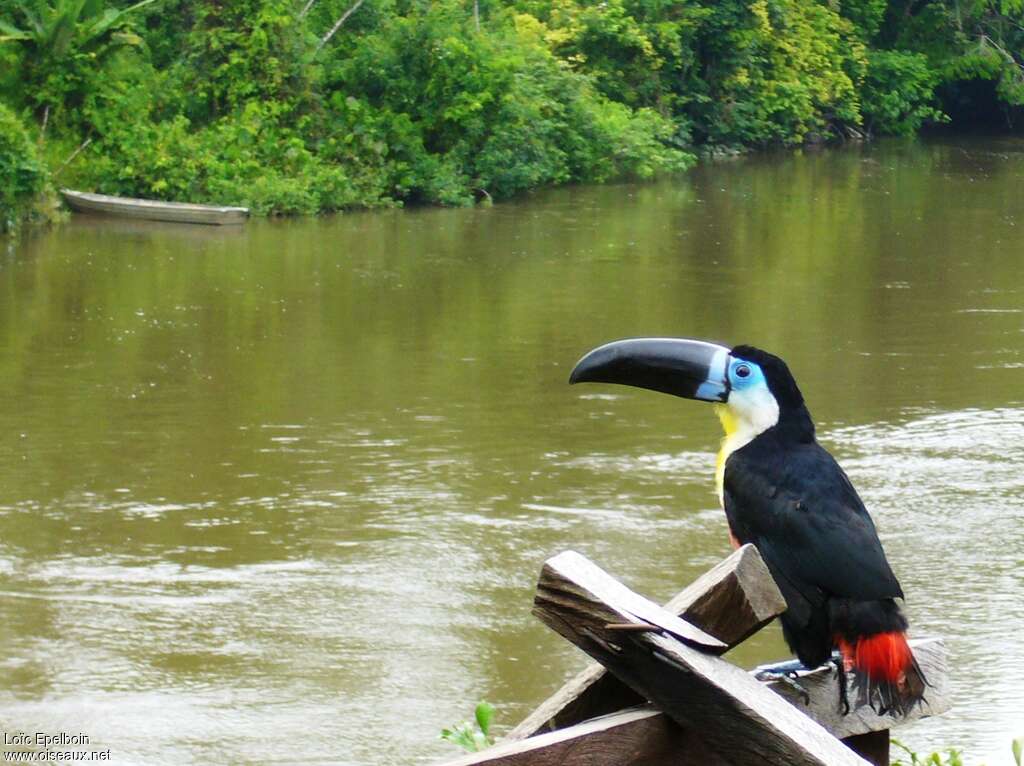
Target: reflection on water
281,493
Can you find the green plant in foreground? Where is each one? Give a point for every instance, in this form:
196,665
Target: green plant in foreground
952,756
474,736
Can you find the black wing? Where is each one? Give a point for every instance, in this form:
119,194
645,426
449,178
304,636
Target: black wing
797,506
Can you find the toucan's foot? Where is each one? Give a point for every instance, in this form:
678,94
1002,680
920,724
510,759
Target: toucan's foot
785,673
844,700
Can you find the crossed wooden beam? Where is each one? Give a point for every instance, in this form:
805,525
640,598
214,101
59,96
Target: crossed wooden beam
661,694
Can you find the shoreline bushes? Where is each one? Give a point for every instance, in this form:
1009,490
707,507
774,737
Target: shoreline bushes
24,179
455,101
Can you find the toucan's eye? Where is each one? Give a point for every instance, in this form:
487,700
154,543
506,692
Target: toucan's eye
743,371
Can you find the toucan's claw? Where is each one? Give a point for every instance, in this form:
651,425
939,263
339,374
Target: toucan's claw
844,700
785,677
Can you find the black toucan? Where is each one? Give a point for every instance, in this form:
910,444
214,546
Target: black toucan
783,492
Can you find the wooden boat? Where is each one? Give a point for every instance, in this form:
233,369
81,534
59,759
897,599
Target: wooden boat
153,210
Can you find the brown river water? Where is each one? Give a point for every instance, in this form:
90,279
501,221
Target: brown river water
280,493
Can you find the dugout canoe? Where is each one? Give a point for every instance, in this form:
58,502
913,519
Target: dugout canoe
154,210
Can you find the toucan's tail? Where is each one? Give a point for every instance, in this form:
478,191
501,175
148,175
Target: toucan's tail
886,675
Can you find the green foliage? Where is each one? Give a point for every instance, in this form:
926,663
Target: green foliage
865,15
495,113
899,93
239,101
251,159
793,70
474,736
239,51
964,41
67,45
23,177
637,52
729,72
950,757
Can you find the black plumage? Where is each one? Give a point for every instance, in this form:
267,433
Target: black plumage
787,495
795,504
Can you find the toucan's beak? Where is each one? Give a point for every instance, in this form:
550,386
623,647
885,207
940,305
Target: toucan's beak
693,369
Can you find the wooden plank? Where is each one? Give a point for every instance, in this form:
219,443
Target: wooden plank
639,736
862,730
733,600
730,602
633,737
822,687
633,608
739,719
644,736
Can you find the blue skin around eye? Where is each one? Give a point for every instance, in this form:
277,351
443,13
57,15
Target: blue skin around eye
754,380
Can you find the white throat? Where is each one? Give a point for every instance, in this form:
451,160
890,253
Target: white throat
746,415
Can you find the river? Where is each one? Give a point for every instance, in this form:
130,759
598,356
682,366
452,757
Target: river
280,493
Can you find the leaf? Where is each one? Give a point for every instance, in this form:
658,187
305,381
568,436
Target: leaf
12,32
484,716
136,7
34,20
91,8
126,38
110,19
1018,750
460,735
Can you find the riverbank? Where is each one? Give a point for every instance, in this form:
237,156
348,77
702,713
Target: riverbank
330,106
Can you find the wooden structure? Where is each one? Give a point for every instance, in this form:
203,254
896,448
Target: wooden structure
154,210
661,694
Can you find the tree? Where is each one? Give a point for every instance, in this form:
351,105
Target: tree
66,45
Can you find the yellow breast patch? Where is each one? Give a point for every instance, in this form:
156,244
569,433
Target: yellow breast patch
729,445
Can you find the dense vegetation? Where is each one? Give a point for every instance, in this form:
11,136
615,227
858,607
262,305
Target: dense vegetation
23,177
299,106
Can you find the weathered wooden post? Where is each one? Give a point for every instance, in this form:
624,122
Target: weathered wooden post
739,719
706,711
731,602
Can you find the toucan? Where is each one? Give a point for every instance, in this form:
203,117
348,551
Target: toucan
784,493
